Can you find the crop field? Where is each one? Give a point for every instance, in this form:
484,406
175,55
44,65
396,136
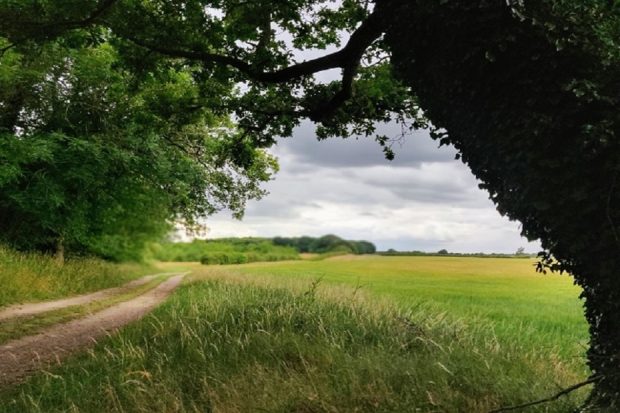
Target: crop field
500,303
507,296
346,334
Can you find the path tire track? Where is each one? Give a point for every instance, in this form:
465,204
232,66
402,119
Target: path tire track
28,309
22,357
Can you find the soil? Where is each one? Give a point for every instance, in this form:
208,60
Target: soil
24,356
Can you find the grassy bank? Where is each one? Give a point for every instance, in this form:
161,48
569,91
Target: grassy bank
35,277
248,344
516,305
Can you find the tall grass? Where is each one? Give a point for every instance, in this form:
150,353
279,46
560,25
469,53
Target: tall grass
33,277
517,305
238,344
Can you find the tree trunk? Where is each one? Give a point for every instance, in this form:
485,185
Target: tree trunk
602,302
59,255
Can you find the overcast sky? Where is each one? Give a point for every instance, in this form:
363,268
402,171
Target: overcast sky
423,200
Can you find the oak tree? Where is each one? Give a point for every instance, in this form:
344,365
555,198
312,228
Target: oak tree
526,90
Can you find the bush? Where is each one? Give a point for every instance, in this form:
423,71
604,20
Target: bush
225,251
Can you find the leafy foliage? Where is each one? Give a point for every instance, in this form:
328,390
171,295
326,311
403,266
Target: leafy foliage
224,251
100,160
326,244
228,42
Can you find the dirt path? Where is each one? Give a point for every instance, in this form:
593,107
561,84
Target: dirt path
22,357
27,309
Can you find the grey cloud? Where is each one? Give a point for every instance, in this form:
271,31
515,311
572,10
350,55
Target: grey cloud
433,195
425,200
443,194
276,207
411,151
444,184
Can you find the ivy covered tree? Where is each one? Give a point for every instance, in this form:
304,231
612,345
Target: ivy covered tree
526,90
530,97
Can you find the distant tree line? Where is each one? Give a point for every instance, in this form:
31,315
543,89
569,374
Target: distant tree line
326,244
445,253
224,251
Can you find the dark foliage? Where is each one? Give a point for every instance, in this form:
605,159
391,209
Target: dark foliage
530,97
325,244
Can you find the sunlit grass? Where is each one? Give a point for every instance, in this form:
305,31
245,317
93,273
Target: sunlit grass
229,344
35,277
348,334
516,304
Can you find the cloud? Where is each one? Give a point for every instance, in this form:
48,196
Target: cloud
425,200
411,150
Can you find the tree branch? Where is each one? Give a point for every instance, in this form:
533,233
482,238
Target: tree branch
370,30
46,30
345,93
348,58
6,49
104,5
556,396
51,29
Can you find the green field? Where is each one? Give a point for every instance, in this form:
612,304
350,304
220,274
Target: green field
506,295
375,334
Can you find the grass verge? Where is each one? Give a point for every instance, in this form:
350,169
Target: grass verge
539,313
22,326
36,277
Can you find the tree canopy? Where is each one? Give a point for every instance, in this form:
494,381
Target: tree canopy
526,90
247,48
326,244
100,160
